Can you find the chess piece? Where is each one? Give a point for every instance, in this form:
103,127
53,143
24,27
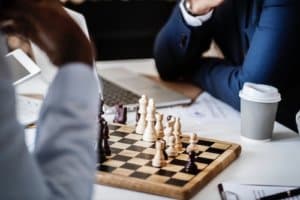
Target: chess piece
101,153
105,134
121,114
171,150
177,127
159,125
141,125
149,132
193,142
158,159
178,143
168,132
191,167
164,149
169,117
137,114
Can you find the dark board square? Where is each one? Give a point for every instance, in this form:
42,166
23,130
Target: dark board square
140,175
215,150
176,182
121,158
163,172
178,162
127,141
119,134
113,127
115,150
145,156
136,148
130,166
204,160
105,168
205,143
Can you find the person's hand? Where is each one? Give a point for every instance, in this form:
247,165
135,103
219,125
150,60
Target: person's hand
46,23
201,7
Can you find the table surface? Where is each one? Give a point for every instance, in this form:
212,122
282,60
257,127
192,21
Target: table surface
275,162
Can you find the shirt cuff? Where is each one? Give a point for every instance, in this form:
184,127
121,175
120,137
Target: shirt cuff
194,20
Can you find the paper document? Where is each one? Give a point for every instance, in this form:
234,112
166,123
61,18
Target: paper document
235,191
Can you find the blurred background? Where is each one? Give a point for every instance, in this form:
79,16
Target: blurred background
124,29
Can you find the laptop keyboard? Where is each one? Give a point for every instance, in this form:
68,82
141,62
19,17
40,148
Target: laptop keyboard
114,94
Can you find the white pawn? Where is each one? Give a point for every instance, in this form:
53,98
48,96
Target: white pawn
141,125
193,143
158,159
177,127
171,150
168,132
149,132
159,125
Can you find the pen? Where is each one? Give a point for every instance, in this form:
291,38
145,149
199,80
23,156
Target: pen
282,195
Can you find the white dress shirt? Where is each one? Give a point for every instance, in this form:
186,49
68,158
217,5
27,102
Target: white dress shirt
194,20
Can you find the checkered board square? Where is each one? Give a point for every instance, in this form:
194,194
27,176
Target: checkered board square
130,166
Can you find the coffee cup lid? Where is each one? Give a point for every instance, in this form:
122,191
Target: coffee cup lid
260,93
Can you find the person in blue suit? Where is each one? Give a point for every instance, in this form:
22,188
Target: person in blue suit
258,38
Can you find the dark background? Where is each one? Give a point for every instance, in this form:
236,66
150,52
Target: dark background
124,29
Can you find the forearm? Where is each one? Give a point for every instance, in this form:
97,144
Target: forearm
178,46
66,133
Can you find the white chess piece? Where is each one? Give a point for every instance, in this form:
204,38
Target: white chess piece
159,125
193,143
141,125
149,132
171,150
178,143
158,159
168,132
177,127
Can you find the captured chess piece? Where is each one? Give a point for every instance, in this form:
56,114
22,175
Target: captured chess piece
141,125
121,114
159,158
191,167
149,132
159,125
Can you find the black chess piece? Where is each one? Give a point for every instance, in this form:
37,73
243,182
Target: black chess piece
164,150
121,114
169,117
191,167
101,153
137,114
105,134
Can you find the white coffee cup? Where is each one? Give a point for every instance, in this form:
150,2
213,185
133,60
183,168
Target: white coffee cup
259,105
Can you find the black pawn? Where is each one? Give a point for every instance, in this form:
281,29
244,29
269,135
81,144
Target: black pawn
191,167
169,117
107,150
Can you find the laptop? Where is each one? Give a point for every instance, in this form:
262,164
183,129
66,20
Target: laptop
126,87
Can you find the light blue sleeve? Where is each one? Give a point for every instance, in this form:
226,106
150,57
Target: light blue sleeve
64,161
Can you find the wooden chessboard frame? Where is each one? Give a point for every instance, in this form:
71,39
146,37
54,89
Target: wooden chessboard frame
161,189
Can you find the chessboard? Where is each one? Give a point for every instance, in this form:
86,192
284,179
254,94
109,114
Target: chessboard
130,167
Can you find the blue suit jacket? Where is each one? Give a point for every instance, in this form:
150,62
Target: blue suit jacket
259,40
